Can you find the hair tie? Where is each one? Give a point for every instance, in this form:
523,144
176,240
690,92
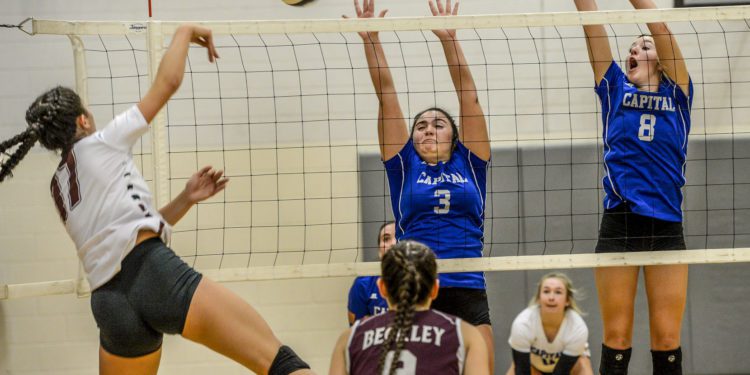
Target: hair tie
36,128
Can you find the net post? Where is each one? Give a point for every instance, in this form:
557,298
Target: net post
79,63
158,125
82,287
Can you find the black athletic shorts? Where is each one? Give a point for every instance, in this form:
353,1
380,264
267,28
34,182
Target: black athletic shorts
622,230
150,296
468,304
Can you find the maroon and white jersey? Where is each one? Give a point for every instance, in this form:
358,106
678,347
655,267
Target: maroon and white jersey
434,346
102,197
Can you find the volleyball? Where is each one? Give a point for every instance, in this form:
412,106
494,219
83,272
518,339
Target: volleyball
296,2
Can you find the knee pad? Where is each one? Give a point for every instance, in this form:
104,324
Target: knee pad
668,362
614,361
286,362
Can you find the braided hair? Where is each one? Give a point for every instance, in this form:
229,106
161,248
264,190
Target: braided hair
409,271
52,121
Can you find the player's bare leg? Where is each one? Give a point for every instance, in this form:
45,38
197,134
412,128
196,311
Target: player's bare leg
222,321
666,289
616,288
486,331
582,366
110,364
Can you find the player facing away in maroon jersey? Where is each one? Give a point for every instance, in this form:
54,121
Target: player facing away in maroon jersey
140,288
410,338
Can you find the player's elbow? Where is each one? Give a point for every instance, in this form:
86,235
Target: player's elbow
169,83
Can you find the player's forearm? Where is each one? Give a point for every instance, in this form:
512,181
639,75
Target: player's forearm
586,5
593,32
643,4
380,72
172,66
656,28
459,70
173,211
597,42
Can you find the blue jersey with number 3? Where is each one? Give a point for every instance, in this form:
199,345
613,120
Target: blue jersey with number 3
645,145
441,206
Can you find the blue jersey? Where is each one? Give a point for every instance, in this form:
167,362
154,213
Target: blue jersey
365,299
645,145
441,206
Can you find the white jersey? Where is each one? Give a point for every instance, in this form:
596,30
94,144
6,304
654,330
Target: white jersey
527,336
103,199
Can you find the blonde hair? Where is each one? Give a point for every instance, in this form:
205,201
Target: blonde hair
571,291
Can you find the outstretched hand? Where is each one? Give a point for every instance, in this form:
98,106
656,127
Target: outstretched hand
440,10
202,36
367,10
205,184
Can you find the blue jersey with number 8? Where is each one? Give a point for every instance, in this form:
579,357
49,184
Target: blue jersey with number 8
645,144
441,206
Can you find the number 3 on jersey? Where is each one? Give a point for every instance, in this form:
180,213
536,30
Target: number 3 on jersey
444,202
648,126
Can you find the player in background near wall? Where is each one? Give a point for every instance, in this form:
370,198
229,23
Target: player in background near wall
364,298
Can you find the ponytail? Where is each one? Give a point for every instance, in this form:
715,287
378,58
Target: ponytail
409,271
52,122
26,141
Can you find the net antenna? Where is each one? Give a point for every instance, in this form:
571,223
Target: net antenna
289,114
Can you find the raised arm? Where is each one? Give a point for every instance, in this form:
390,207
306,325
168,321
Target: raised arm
172,67
392,132
202,185
667,48
597,42
473,126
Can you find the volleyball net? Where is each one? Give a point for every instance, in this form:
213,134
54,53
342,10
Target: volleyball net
289,113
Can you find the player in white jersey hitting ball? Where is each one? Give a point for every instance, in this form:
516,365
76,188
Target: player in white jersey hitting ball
437,171
549,336
141,288
646,122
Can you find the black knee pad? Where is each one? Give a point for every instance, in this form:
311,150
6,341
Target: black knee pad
286,362
614,361
668,362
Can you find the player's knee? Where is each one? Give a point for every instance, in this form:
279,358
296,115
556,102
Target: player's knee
617,339
665,341
582,366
